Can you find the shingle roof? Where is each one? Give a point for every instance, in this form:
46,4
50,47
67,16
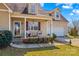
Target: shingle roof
21,7
63,18
17,7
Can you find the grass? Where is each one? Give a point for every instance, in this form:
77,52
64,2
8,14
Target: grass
9,51
61,50
73,37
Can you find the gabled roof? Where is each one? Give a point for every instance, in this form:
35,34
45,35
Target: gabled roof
10,10
54,10
22,8
57,9
63,18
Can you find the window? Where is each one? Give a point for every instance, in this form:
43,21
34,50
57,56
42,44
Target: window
33,8
33,25
17,28
57,16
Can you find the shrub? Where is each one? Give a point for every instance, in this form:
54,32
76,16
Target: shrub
5,38
40,40
8,35
54,36
36,40
73,32
33,40
50,39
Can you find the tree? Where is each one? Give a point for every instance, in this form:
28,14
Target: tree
74,28
75,24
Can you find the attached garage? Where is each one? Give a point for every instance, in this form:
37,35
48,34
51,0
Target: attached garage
59,31
57,27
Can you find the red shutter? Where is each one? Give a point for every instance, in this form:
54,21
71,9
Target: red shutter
38,25
26,25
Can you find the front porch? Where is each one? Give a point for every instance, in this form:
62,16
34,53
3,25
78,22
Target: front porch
29,26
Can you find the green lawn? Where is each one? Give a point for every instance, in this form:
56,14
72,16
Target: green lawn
9,51
72,37
62,50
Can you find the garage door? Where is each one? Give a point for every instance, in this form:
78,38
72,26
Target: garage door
59,31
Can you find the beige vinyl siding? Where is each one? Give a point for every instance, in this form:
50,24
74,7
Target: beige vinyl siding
43,28
4,20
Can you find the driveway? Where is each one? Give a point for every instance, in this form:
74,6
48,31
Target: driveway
75,42
63,39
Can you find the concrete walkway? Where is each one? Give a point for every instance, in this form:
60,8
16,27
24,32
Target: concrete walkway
22,45
63,39
31,45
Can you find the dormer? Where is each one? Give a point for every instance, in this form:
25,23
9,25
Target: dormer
36,9
55,14
32,8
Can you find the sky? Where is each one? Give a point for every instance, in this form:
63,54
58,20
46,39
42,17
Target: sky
69,10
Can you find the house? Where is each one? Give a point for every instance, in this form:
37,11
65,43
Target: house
28,19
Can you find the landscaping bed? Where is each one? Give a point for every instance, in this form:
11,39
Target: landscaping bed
47,39
36,40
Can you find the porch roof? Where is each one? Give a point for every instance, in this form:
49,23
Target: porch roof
18,15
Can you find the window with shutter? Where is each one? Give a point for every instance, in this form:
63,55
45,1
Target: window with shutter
33,25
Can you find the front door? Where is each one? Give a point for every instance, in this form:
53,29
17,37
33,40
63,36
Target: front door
17,28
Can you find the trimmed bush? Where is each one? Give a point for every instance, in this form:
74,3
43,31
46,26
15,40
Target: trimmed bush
8,35
5,38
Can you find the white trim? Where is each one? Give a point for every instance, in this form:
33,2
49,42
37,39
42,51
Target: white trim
14,28
3,10
50,28
19,16
25,27
7,7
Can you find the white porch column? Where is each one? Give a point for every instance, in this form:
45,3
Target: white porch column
50,28
9,22
25,27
